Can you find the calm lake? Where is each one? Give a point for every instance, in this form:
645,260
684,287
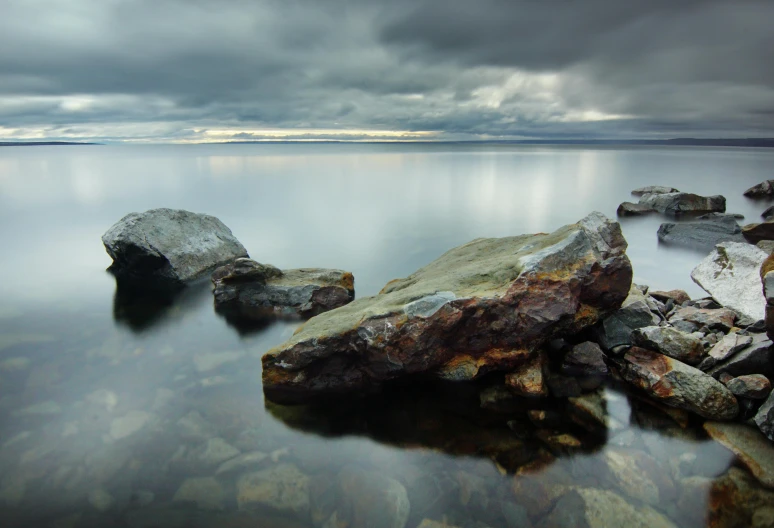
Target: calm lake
124,411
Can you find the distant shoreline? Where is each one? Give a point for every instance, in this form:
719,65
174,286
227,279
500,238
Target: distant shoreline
676,142
41,143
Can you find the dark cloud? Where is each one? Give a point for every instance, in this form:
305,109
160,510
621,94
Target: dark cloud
181,69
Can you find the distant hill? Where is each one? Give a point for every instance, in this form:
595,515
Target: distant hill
40,143
694,142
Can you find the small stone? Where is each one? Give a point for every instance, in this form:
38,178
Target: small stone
753,386
725,348
206,492
633,209
528,380
585,359
692,319
676,296
101,500
755,358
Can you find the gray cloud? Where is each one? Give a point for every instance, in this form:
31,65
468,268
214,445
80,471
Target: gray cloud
215,69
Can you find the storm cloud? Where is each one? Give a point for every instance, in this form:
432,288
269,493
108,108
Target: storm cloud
216,70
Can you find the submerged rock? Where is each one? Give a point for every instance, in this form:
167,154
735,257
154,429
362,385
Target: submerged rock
598,508
633,209
670,342
251,290
752,448
761,190
510,296
735,499
702,234
654,189
169,245
205,492
731,275
283,487
677,384
679,202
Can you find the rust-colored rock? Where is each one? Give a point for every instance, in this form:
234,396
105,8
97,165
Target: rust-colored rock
677,384
529,379
488,305
677,296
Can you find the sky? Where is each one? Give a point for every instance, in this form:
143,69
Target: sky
428,70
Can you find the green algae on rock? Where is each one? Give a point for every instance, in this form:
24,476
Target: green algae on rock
488,305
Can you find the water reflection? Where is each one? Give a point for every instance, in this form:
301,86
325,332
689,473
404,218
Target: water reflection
150,412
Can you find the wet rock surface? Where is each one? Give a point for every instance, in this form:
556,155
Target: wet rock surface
731,275
677,384
246,289
670,342
169,245
494,321
678,203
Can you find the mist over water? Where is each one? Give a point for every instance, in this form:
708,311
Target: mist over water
120,410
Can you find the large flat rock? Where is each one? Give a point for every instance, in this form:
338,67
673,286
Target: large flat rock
703,233
730,273
679,202
169,245
487,305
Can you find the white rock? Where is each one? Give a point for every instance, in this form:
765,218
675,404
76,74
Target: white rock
128,424
731,275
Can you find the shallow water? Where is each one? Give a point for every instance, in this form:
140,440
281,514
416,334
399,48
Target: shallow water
119,411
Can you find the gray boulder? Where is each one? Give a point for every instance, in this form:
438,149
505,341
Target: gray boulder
489,305
679,203
730,273
654,189
670,342
764,419
677,384
251,290
762,190
172,246
701,234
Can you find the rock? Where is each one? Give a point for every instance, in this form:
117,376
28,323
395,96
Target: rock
678,203
756,358
654,189
670,342
703,234
128,424
764,418
635,312
101,500
193,426
529,380
597,508
768,214
735,498
761,190
214,451
633,209
731,275
494,323
169,245
755,233
590,412
585,359
678,296
563,386
766,245
205,492
753,386
282,488
752,448
250,290
515,515
638,475
241,462
367,499
691,319
677,384
725,348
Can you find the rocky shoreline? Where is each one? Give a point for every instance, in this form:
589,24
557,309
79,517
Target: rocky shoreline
539,328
